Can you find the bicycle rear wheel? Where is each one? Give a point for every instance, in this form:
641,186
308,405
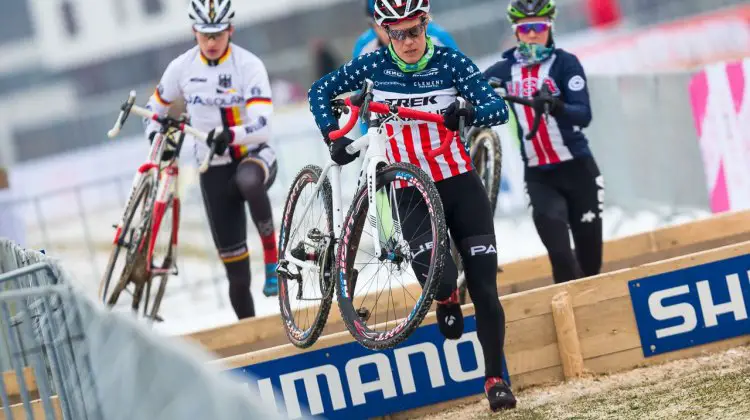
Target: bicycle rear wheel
133,238
406,233
306,291
487,156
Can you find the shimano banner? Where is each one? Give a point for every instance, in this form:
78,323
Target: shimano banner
349,381
692,306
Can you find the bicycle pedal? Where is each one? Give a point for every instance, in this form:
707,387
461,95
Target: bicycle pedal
364,314
157,318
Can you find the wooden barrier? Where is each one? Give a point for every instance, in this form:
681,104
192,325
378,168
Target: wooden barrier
18,411
568,343
259,333
13,388
590,320
607,334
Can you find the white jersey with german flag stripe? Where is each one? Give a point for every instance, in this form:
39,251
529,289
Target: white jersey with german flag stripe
233,90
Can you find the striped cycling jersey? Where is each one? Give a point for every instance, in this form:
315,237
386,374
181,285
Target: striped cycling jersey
559,137
233,90
447,75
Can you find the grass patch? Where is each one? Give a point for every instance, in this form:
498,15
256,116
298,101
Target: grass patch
709,387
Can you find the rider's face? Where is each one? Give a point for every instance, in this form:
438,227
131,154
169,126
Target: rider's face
533,30
213,45
412,42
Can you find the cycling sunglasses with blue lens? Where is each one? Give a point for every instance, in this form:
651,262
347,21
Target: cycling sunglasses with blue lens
538,27
413,32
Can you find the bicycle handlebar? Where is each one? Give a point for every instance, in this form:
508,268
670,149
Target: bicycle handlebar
166,121
356,101
495,83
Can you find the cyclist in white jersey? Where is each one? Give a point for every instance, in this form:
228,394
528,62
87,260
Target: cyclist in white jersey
224,85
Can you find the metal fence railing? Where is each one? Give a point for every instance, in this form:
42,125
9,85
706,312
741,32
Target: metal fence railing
63,357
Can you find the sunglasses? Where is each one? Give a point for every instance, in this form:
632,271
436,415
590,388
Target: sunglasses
213,35
413,32
538,27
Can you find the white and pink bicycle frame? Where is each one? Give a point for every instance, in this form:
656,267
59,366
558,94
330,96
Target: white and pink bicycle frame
375,142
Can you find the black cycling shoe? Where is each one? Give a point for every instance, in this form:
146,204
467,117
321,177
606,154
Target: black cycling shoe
499,394
450,318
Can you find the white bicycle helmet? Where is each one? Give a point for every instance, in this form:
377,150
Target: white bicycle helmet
388,12
211,16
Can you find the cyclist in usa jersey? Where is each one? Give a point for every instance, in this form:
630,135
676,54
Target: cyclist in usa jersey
224,85
376,37
412,72
564,186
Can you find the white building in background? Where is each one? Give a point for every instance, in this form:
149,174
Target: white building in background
69,32
40,78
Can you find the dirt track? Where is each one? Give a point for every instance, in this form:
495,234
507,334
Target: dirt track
709,387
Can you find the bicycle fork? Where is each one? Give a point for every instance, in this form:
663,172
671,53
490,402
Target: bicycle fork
379,211
163,195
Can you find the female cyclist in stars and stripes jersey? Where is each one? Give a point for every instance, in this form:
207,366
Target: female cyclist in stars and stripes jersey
225,85
412,72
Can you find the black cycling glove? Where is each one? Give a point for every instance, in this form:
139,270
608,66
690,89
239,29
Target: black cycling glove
221,140
542,98
453,113
338,151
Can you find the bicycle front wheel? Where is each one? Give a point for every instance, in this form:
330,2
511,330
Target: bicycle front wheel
384,294
306,284
132,237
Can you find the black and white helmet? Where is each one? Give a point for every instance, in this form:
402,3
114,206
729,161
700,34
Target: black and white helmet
211,16
388,12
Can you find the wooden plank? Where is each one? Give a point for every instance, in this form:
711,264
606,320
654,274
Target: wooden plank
536,271
567,336
646,248
18,411
518,338
609,285
13,388
607,327
720,230
534,303
718,227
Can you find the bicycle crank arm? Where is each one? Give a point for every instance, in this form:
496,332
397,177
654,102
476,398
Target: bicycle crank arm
302,264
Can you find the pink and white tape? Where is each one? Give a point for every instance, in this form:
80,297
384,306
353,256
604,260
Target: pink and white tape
721,109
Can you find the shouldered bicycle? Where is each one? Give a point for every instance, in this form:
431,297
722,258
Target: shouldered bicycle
318,248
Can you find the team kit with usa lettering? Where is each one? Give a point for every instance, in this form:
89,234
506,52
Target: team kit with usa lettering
413,64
